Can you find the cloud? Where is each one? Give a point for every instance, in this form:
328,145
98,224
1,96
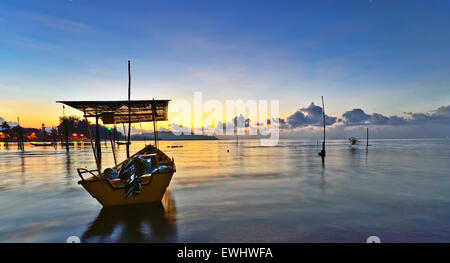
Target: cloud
49,21
414,123
33,43
355,116
441,115
278,121
444,110
241,121
433,124
359,117
10,123
313,117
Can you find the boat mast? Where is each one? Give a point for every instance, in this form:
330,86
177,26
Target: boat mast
129,110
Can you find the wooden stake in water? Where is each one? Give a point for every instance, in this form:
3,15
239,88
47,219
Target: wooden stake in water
19,136
66,132
323,153
367,137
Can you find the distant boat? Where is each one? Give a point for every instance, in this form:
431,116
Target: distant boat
174,146
71,143
122,143
42,144
353,140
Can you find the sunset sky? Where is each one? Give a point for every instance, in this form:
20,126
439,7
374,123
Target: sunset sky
384,57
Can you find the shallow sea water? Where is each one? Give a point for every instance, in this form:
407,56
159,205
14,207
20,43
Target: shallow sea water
398,190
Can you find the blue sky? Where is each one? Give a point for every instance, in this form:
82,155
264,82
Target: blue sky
387,57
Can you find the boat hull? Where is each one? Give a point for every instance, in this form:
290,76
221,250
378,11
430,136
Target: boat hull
108,195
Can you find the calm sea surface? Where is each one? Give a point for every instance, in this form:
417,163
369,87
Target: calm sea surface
398,190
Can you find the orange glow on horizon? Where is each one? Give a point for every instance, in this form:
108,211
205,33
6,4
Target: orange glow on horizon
33,113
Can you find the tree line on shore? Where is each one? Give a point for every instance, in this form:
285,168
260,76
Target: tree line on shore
75,128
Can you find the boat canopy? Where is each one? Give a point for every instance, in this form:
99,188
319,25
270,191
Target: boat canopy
123,111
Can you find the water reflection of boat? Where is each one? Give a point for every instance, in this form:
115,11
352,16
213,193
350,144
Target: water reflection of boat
152,222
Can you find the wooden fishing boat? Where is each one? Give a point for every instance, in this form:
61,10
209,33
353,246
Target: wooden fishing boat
42,144
142,177
353,141
111,192
122,143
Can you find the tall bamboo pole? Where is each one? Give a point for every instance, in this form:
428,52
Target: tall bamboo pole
129,110
323,115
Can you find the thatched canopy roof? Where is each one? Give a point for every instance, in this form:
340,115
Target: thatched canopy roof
122,111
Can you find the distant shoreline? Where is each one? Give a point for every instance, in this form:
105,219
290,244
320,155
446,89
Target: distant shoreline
225,139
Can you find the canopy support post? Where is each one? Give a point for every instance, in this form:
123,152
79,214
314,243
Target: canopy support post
90,140
113,149
97,141
155,132
106,139
115,135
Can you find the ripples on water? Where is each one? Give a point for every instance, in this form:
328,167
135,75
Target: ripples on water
398,190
